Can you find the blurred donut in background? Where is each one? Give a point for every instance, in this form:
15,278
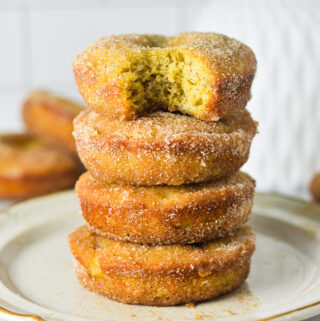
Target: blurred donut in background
314,187
29,167
50,117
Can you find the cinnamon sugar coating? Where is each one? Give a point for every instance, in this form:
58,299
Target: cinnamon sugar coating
206,75
162,148
30,167
164,274
51,117
166,214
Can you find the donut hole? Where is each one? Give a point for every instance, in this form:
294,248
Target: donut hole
167,79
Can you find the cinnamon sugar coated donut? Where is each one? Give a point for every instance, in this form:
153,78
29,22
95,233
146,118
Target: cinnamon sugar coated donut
166,214
30,167
162,148
51,117
164,274
206,75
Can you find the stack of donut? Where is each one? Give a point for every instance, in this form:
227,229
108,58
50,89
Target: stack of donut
163,140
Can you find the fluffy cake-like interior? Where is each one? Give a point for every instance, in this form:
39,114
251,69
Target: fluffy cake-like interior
169,79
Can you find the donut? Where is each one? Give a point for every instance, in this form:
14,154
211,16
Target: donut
207,75
162,148
161,275
314,187
51,117
30,167
166,214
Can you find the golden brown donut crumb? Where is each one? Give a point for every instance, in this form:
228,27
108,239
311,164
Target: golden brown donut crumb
207,75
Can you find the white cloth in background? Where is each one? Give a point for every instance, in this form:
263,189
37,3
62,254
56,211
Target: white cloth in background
285,35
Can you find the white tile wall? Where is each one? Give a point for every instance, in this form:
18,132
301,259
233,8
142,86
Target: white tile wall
10,36
58,35
10,119
40,38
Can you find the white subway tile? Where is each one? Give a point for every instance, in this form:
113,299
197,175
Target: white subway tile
58,35
10,55
10,111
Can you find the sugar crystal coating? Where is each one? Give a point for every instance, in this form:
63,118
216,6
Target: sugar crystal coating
162,148
207,75
166,214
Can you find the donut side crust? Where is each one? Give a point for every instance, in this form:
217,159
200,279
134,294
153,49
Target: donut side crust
169,290
28,187
166,214
161,275
162,148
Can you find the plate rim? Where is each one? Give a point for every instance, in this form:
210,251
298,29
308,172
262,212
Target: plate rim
300,313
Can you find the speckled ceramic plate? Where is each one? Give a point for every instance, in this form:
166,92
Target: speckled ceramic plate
37,279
